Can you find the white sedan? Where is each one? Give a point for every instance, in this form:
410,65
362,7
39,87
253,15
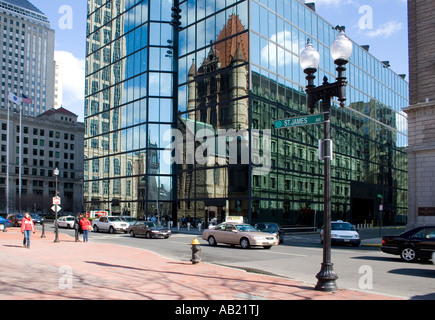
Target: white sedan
66,222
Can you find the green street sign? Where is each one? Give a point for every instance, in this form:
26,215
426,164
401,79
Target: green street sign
299,121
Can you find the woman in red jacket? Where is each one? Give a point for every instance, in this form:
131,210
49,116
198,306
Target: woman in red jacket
27,226
86,225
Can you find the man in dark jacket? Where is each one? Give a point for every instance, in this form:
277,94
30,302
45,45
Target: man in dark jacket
77,227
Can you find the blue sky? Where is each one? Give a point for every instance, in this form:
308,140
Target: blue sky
381,24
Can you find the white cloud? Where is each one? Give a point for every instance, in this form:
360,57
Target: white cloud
73,82
386,30
283,38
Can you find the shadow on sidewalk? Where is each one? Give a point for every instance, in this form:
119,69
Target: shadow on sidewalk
208,277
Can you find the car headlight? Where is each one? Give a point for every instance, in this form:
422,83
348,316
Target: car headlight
333,235
155,231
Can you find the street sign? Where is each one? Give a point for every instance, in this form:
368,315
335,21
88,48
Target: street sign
56,208
299,121
56,200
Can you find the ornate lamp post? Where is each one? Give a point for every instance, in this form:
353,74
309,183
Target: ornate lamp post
341,50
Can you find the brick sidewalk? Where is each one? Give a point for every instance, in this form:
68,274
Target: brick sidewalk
92,271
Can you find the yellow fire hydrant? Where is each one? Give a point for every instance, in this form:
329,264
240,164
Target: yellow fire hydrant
196,250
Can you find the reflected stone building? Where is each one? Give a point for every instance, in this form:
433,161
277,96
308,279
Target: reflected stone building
237,70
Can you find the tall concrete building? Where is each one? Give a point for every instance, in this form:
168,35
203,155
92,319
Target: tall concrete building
234,65
421,114
28,56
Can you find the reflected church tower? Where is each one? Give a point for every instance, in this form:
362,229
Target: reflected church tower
217,99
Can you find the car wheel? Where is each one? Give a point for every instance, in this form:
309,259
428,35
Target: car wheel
111,230
244,243
96,228
267,247
148,235
132,234
408,254
212,241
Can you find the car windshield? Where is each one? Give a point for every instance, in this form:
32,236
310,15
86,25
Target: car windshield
268,227
246,228
114,219
154,225
69,218
342,226
20,216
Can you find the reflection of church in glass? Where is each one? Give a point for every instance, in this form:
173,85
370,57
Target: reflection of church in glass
217,100
292,194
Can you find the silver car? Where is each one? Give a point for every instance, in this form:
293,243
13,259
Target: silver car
241,234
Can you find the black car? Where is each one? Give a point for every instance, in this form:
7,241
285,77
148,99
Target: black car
271,227
149,229
418,243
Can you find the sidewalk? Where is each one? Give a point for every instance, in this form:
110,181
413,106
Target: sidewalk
92,271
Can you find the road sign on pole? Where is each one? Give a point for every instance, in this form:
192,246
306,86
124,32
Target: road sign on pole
56,200
299,121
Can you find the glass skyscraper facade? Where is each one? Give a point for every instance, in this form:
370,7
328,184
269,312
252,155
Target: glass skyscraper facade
236,69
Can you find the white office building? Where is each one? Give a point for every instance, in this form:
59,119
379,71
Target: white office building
28,66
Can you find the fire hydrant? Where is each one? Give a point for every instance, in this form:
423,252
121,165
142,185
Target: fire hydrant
196,250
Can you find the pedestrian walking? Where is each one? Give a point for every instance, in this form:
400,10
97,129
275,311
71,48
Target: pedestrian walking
77,226
86,226
27,226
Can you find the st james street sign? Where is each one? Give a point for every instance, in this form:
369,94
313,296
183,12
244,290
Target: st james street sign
298,121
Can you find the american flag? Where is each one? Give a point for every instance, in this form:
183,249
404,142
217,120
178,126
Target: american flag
26,99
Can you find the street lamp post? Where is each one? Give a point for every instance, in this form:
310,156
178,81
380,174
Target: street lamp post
56,226
341,50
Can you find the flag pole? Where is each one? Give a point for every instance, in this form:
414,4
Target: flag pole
7,162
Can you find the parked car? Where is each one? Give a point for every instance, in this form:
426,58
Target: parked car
66,222
418,243
37,218
241,234
15,219
273,228
4,223
130,220
343,233
149,229
111,224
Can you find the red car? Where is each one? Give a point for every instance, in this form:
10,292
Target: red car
15,219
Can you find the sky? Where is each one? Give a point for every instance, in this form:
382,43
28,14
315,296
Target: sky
381,24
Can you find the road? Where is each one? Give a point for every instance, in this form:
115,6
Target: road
364,268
